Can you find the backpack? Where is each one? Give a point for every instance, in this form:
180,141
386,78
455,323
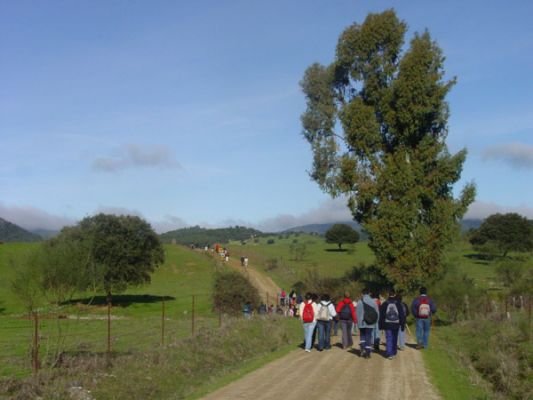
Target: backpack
308,314
346,313
323,312
424,309
370,316
391,314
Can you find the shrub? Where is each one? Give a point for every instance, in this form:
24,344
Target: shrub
231,291
271,241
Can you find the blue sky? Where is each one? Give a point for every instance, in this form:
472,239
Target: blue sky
188,112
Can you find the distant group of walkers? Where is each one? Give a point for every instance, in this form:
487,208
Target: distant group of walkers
371,316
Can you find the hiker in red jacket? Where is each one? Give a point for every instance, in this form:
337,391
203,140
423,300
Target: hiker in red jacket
346,312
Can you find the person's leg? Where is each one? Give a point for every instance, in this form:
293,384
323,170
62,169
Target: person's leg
427,327
368,341
345,334
327,335
419,331
309,328
335,327
350,338
401,339
388,338
321,335
377,337
394,340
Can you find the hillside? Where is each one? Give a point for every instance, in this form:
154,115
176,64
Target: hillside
202,236
10,232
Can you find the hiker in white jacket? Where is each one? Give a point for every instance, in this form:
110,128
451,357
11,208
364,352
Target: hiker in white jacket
326,312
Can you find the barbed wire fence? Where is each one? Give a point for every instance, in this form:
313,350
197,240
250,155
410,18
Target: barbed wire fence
43,338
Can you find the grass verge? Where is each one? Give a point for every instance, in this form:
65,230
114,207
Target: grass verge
447,371
184,370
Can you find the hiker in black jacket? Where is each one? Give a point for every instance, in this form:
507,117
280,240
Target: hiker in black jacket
391,320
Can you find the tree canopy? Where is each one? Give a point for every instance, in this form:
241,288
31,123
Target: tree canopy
501,233
376,120
341,233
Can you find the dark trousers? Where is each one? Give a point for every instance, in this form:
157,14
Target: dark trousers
366,343
324,330
391,336
335,323
346,326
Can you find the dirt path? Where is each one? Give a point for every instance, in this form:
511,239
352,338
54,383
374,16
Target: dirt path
334,374
268,290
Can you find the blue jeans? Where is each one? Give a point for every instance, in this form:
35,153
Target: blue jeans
401,339
376,336
324,330
391,336
309,327
366,339
423,325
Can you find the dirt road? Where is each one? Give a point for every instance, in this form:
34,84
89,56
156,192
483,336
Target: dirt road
334,374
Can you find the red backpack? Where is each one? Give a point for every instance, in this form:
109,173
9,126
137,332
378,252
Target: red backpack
424,309
308,314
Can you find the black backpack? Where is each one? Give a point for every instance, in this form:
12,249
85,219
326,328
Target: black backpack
370,316
346,313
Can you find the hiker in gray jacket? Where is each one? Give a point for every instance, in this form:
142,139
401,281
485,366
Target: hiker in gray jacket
367,320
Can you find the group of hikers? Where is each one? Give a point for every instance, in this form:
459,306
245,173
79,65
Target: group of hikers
370,315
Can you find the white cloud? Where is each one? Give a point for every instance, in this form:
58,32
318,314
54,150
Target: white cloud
517,155
481,209
133,155
32,218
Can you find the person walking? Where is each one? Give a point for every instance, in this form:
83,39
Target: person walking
391,320
326,312
367,320
423,309
347,317
401,332
308,311
376,333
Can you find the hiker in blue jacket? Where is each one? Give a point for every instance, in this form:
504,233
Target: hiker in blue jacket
423,309
367,320
391,320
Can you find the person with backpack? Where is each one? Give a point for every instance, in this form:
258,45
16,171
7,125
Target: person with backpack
326,312
367,320
308,311
423,308
391,320
376,333
347,317
401,332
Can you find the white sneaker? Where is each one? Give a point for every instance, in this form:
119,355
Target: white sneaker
308,351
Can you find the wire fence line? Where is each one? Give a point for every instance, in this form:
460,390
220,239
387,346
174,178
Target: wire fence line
48,336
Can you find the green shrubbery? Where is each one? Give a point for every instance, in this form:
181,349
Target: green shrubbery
231,291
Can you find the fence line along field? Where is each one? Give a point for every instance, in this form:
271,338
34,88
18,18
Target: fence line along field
176,303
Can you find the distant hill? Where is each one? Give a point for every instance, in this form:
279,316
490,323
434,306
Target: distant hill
45,233
202,236
10,232
321,229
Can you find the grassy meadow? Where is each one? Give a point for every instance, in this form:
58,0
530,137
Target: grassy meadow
136,313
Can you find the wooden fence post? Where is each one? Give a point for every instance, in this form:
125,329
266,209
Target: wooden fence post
35,350
163,322
108,331
192,319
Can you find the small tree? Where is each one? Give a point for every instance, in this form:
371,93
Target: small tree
120,251
341,233
298,251
501,233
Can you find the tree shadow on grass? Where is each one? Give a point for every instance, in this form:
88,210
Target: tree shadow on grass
480,258
337,250
121,300
2,310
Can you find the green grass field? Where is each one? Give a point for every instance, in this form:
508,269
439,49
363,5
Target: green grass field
137,313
